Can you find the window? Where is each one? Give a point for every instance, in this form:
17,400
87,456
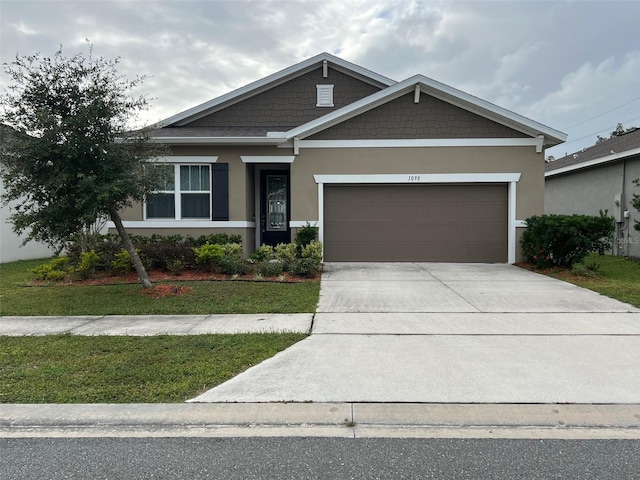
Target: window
162,203
195,191
324,95
186,194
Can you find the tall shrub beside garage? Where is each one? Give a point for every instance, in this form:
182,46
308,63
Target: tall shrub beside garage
562,240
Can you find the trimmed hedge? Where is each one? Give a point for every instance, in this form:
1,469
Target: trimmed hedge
562,240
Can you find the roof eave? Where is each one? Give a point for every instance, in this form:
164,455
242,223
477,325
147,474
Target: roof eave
594,162
219,140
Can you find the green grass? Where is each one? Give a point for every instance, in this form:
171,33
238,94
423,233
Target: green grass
75,369
17,298
616,277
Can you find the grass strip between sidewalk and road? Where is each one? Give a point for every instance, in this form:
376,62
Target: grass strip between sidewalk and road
105,369
205,297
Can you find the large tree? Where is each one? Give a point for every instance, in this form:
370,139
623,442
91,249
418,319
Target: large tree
74,158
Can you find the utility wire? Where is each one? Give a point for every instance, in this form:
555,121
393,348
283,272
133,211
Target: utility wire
600,131
603,113
634,86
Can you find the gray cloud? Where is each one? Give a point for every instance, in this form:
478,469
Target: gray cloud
559,62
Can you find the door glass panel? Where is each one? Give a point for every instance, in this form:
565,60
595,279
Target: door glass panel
276,203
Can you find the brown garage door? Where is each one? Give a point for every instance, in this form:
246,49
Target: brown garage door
415,223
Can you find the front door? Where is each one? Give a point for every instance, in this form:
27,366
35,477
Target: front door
274,207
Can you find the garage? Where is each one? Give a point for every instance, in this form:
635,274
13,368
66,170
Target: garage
416,222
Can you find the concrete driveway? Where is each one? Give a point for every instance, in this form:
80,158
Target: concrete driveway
452,333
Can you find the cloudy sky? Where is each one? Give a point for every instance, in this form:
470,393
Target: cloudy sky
572,65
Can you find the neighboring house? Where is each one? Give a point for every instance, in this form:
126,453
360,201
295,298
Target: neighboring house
600,178
11,248
389,171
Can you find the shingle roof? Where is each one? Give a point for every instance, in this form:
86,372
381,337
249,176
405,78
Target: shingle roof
611,146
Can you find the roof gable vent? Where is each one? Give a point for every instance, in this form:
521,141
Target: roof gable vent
324,95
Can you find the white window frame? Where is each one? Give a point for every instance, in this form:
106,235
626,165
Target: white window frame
177,194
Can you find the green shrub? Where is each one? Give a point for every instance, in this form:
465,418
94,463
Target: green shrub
562,240
232,250
262,253
305,235
122,262
54,270
158,255
314,251
163,252
216,239
305,267
209,254
87,266
271,268
287,254
175,266
232,265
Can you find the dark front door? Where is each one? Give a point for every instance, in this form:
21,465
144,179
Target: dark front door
274,207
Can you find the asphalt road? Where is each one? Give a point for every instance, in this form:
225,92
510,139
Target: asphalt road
316,458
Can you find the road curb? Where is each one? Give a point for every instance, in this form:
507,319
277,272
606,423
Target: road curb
348,420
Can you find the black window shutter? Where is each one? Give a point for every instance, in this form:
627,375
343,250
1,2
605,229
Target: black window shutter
220,187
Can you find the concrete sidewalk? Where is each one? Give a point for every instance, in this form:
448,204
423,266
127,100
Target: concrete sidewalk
142,325
454,333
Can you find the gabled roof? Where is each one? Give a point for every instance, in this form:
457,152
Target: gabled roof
271,81
176,130
612,149
437,90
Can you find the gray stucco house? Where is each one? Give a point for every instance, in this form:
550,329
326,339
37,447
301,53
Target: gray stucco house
414,170
599,178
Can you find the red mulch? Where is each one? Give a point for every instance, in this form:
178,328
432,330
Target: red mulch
102,278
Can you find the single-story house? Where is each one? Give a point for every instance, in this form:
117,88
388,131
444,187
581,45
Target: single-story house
600,178
389,171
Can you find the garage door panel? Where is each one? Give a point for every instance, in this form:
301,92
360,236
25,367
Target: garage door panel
446,223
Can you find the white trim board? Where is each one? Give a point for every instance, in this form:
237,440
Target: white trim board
267,159
183,224
417,178
186,159
421,178
418,142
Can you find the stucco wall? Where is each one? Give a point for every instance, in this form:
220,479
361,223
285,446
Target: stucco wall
325,161
11,248
590,190
524,160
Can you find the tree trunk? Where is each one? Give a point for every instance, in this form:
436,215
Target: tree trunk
128,244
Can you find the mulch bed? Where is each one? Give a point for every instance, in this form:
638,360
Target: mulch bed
157,276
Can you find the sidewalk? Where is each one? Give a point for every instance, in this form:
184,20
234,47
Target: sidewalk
141,325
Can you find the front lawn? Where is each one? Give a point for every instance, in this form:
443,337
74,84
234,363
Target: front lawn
105,369
615,277
202,297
